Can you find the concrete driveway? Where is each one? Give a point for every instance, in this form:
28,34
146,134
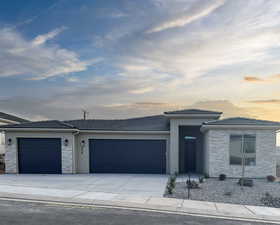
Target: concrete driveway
103,186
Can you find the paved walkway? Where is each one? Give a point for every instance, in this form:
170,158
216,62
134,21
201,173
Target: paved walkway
138,202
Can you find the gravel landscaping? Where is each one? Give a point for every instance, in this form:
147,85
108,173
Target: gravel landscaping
228,191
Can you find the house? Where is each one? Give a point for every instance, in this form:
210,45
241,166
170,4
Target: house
4,120
183,141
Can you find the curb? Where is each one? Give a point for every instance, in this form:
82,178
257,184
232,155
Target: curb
137,207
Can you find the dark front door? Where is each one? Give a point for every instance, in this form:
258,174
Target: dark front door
39,155
190,152
127,156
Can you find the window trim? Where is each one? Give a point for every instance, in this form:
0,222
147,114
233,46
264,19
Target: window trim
242,144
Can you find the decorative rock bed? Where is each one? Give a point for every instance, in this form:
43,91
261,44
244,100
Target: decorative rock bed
263,193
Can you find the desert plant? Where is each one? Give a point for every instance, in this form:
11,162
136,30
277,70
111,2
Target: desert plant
247,182
228,193
192,184
201,180
270,178
206,176
169,189
222,177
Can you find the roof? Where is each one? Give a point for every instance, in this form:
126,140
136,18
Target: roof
192,111
242,121
13,118
51,124
150,123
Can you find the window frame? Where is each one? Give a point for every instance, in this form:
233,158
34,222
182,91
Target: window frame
246,155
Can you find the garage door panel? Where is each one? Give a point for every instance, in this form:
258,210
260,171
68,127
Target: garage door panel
39,155
127,156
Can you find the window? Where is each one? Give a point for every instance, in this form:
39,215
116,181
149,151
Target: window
242,144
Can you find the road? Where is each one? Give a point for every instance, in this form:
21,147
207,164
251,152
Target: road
18,213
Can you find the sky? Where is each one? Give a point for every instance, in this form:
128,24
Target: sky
123,58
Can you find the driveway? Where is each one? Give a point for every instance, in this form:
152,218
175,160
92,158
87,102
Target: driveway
103,186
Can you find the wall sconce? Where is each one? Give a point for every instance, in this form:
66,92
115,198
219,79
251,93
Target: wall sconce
66,142
9,141
83,143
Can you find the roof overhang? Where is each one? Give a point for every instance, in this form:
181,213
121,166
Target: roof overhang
124,132
243,127
194,116
38,129
8,121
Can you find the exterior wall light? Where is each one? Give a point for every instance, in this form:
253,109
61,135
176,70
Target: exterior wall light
9,141
83,143
66,142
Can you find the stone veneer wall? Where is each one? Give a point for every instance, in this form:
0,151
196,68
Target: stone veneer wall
67,155
218,153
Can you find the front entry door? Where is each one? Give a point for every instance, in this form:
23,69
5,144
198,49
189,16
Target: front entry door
190,153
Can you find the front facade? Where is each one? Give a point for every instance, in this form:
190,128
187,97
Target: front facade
186,141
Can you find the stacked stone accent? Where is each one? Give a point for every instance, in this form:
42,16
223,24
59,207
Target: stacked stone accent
218,149
11,158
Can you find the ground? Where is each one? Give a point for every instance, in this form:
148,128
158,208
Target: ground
142,185
228,191
17,213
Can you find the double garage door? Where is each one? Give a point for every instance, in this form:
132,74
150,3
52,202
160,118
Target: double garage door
127,156
43,156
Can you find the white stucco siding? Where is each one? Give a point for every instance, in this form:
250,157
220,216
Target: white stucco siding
83,153
175,123
68,156
218,142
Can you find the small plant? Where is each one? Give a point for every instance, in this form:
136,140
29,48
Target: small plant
201,180
171,184
222,177
228,193
206,176
192,184
246,182
169,189
270,178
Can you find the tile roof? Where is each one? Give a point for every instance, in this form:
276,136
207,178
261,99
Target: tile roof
10,117
150,123
242,121
52,124
192,111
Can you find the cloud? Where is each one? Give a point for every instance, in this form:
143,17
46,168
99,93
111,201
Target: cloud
195,13
266,101
253,79
35,59
257,79
41,39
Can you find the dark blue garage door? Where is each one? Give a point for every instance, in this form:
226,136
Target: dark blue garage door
39,155
127,156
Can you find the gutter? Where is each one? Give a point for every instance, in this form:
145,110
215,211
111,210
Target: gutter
39,129
254,127
123,132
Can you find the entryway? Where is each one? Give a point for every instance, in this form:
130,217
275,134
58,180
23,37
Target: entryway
190,149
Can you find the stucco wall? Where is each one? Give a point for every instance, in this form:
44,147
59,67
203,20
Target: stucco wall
83,153
11,157
218,153
174,138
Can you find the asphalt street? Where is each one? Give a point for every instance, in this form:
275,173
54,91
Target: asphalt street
18,213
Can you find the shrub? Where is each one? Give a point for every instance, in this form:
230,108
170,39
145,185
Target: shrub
270,178
201,180
192,184
170,189
206,176
246,182
222,177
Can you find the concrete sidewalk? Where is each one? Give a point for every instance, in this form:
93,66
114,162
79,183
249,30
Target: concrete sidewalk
161,204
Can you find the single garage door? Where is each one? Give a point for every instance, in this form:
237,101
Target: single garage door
39,155
127,156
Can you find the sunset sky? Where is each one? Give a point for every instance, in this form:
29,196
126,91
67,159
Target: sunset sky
128,58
